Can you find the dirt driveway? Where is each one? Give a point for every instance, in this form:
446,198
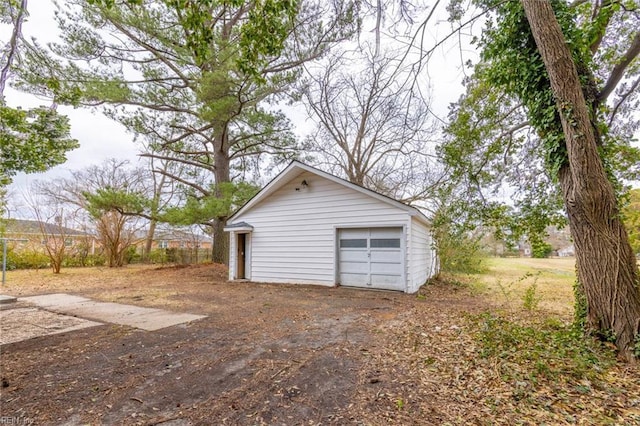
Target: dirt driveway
265,354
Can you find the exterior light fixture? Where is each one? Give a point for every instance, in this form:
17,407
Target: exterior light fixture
304,185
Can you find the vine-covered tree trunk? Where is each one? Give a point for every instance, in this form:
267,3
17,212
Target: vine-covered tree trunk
606,266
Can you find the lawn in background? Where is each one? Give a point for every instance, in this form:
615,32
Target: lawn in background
507,280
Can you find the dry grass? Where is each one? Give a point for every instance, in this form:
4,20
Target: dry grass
148,285
40,280
507,280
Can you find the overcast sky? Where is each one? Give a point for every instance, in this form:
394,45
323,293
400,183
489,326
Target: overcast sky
101,138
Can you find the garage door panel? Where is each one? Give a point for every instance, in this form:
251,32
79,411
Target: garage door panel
356,280
354,233
386,256
354,256
371,258
354,267
386,269
385,232
387,282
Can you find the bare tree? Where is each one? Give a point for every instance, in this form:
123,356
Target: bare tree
116,235
51,221
116,231
371,127
162,191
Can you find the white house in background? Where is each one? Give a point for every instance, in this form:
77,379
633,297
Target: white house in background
310,227
568,251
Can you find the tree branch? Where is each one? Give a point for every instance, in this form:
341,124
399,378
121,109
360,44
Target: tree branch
13,47
623,98
618,71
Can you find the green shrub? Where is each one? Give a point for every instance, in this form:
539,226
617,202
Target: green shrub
458,252
82,260
158,256
541,250
131,255
530,300
26,259
96,260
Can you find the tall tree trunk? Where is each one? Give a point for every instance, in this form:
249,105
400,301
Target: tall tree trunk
607,269
155,207
220,250
148,243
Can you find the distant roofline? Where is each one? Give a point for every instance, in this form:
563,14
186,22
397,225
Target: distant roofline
33,228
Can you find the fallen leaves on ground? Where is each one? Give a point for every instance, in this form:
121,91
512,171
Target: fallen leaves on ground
432,367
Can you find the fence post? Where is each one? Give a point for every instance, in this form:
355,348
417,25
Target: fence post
4,260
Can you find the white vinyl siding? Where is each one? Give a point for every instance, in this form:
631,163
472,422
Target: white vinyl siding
421,255
294,236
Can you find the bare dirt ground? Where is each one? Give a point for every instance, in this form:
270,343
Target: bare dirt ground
271,354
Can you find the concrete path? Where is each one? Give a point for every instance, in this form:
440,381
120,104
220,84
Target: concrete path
5,300
134,316
22,323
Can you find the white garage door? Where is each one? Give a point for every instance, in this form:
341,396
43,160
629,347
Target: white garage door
371,258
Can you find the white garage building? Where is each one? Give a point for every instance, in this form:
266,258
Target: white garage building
310,227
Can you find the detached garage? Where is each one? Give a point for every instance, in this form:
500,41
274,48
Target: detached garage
310,227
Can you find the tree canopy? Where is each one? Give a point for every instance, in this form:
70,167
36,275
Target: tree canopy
31,140
505,132
372,126
205,103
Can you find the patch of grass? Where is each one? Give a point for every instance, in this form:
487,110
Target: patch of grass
510,281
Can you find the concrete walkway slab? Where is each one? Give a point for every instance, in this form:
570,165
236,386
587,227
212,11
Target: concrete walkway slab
21,324
149,319
7,299
55,301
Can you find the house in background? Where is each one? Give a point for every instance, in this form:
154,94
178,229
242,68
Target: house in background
34,235
310,227
568,251
179,239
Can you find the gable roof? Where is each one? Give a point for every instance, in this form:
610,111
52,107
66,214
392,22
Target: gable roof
34,227
295,168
